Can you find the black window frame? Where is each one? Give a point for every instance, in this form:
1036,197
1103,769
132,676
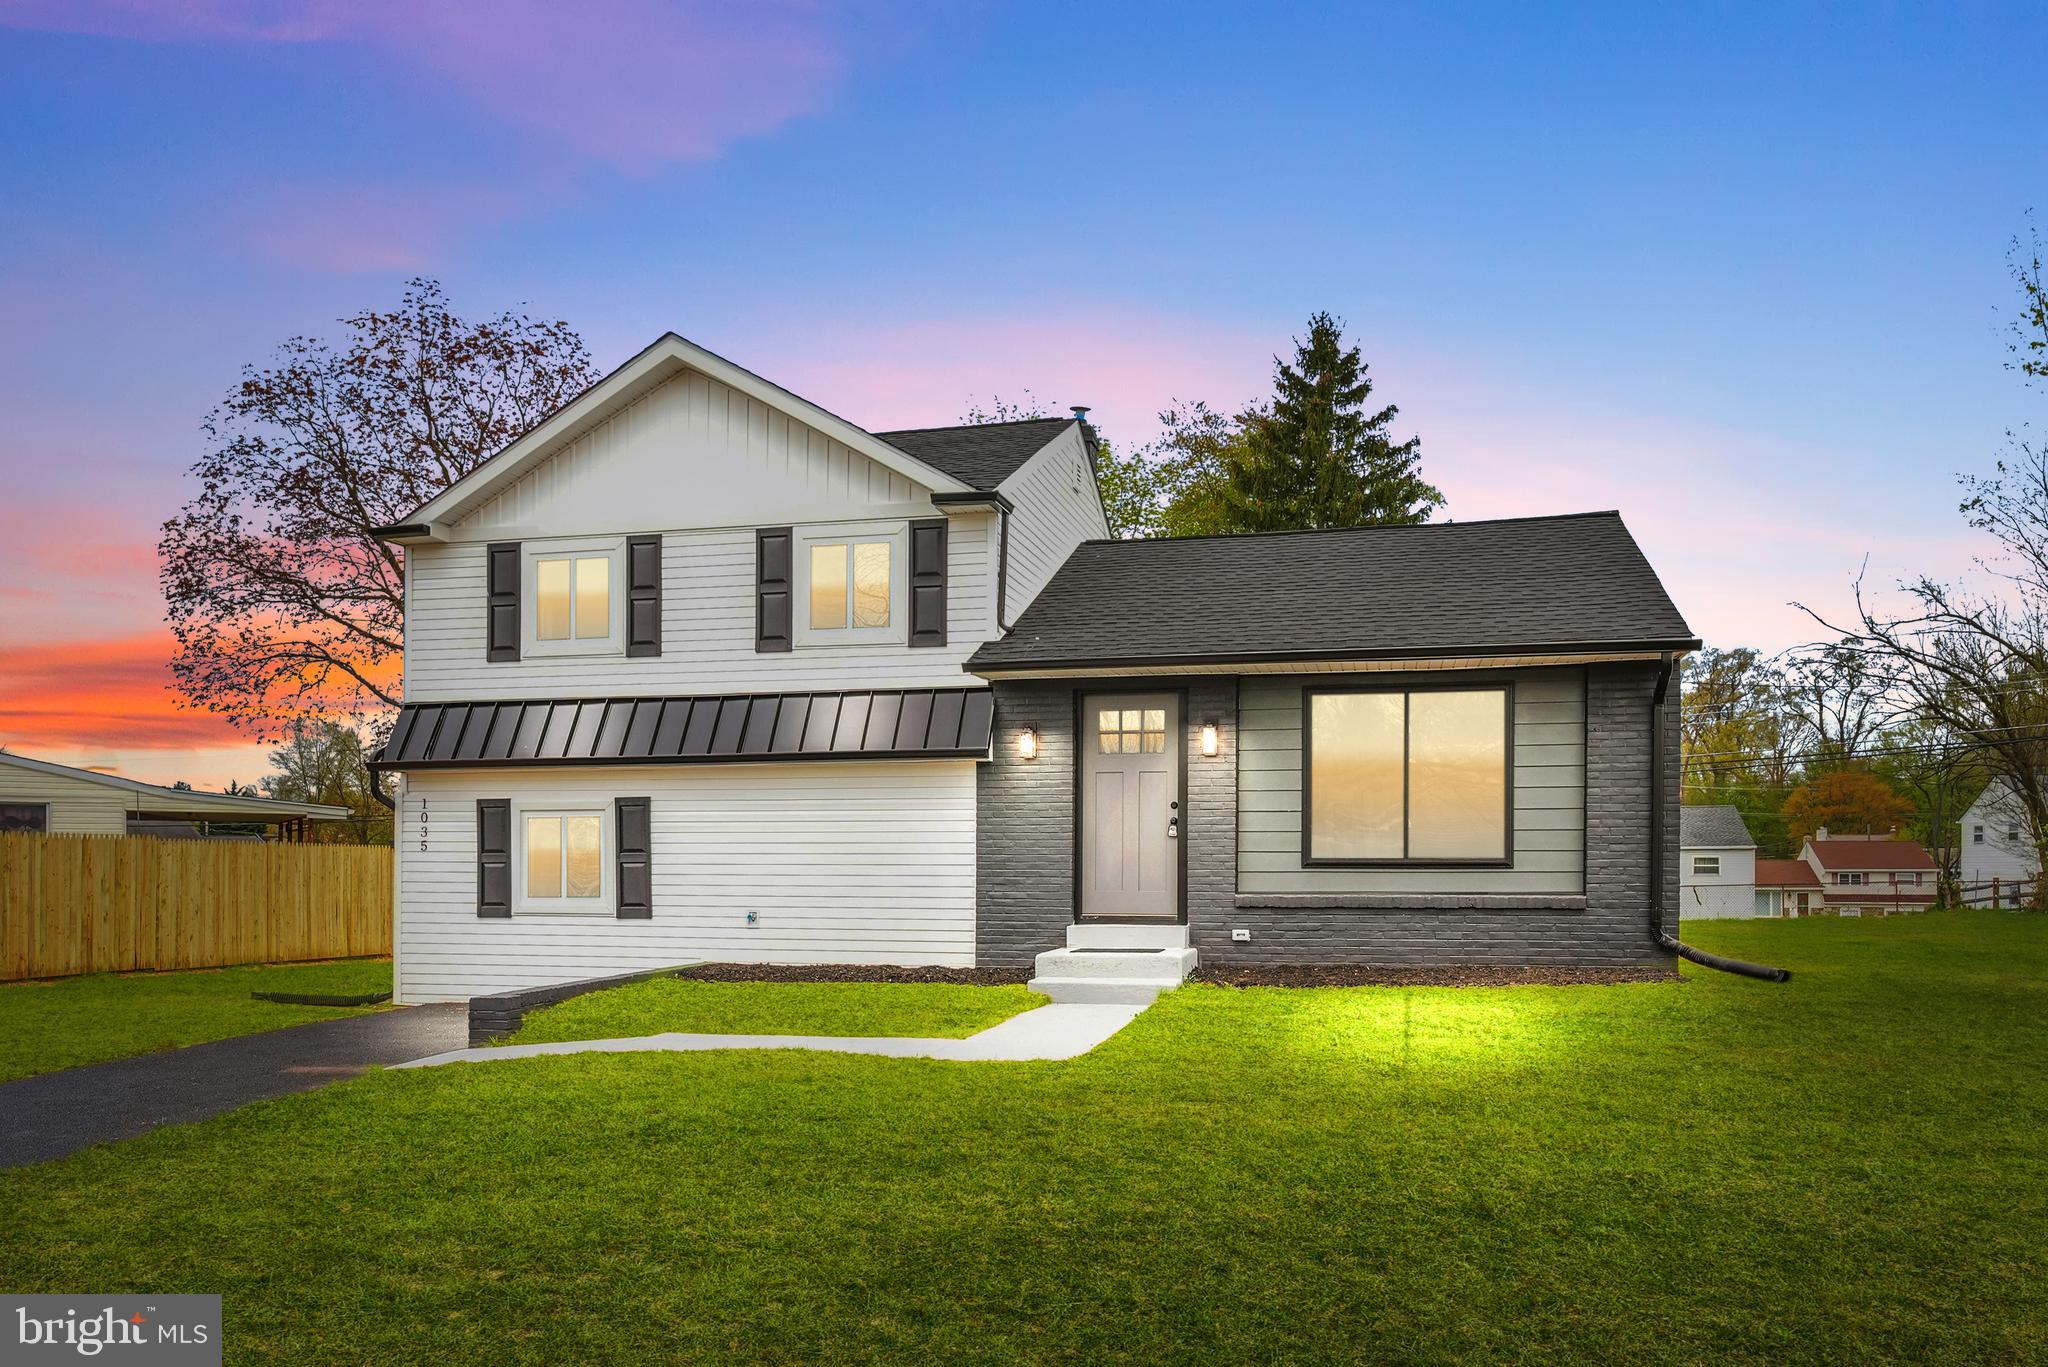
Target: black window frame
43,807
1311,860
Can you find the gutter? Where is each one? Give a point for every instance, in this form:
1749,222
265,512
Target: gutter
1663,939
376,772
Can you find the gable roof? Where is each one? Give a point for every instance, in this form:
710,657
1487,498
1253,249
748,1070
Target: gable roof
142,796
1870,854
980,454
1786,873
1533,585
658,362
1721,827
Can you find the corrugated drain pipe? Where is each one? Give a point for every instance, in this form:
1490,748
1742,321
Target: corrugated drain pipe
1663,938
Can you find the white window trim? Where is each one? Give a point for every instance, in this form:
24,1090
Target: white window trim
571,908
531,553
897,534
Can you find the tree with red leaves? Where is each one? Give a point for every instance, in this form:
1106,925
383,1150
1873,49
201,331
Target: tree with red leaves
284,606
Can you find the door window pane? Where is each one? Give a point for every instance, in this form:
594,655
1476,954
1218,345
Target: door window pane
1457,775
1131,730
586,856
593,597
551,600
543,856
1355,776
828,586
871,584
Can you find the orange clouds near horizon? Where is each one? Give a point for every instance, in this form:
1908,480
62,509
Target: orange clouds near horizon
75,695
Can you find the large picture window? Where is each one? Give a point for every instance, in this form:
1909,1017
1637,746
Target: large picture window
1407,776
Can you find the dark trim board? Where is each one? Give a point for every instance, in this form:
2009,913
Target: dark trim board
1030,669
1310,692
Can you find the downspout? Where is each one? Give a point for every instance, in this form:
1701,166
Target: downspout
1003,572
1663,939
376,772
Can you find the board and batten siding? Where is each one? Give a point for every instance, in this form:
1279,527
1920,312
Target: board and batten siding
77,806
1056,509
690,452
1549,792
707,629
842,863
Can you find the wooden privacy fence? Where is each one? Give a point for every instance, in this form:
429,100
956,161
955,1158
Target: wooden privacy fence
114,903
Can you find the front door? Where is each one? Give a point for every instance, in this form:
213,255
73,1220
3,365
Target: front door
1130,805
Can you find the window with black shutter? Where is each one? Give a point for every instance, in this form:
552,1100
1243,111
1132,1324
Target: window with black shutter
502,607
772,589
494,856
928,582
635,827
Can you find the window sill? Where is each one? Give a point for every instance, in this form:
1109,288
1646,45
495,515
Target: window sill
1405,901
563,914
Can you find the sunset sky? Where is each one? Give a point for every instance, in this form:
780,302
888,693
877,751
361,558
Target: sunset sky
1740,275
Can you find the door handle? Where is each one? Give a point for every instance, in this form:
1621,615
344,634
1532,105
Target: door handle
1173,828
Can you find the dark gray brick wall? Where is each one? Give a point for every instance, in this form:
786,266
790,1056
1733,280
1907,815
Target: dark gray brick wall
1025,851
1024,829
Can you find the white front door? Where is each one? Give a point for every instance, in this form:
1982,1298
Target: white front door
1130,805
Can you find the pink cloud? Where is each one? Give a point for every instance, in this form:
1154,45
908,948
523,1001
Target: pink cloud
647,83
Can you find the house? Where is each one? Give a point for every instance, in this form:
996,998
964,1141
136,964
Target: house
1787,887
695,669
36,795
1716,864
1870,875
1995,844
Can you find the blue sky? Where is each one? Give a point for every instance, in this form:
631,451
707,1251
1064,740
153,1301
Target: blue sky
1738,271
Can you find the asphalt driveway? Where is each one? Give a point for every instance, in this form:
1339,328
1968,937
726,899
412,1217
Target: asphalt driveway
55,1114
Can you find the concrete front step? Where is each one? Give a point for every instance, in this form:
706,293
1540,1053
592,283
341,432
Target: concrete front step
1101,991
1121,935
1166,966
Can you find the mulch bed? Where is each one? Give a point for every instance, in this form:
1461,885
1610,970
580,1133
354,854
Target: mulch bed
849,973
1354,975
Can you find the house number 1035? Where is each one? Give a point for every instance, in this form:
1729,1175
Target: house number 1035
423,825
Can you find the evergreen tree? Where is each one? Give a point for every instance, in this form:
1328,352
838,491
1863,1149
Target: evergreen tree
1316,457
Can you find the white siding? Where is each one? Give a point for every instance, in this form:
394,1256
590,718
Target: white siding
707,625
77,806
844,863
1998,857
1056,510
691,453
1549,795
1729,893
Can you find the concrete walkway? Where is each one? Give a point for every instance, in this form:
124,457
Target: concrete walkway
1049,1032
53,1114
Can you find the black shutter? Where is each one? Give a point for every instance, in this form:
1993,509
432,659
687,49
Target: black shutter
928,582
635,825
502,592
643,595
773,592
494,856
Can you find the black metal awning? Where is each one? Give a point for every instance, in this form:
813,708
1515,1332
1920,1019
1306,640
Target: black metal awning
916,723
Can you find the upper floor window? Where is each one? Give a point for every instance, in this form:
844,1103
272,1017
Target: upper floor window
1415,775
1976,835
853,585
1855,879
573,589
1706,864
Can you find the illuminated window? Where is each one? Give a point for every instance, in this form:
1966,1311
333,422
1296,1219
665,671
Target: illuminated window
1416,775
1130,730
573,592
562,859
853,587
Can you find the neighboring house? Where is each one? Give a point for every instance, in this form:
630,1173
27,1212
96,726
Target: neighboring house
1995,843
1716,864
36,795
1870,875
697,670
1787,887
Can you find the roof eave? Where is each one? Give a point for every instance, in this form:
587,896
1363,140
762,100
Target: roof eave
987,668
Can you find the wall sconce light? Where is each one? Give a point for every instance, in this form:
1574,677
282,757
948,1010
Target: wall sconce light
1209,741
1027,744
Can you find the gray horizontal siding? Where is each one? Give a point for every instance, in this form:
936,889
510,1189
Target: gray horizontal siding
1549,796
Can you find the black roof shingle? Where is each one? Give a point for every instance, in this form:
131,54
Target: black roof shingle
1517,585
980,454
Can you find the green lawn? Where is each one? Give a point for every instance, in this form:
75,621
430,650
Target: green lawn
1850,1167
45,1026
932,1010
